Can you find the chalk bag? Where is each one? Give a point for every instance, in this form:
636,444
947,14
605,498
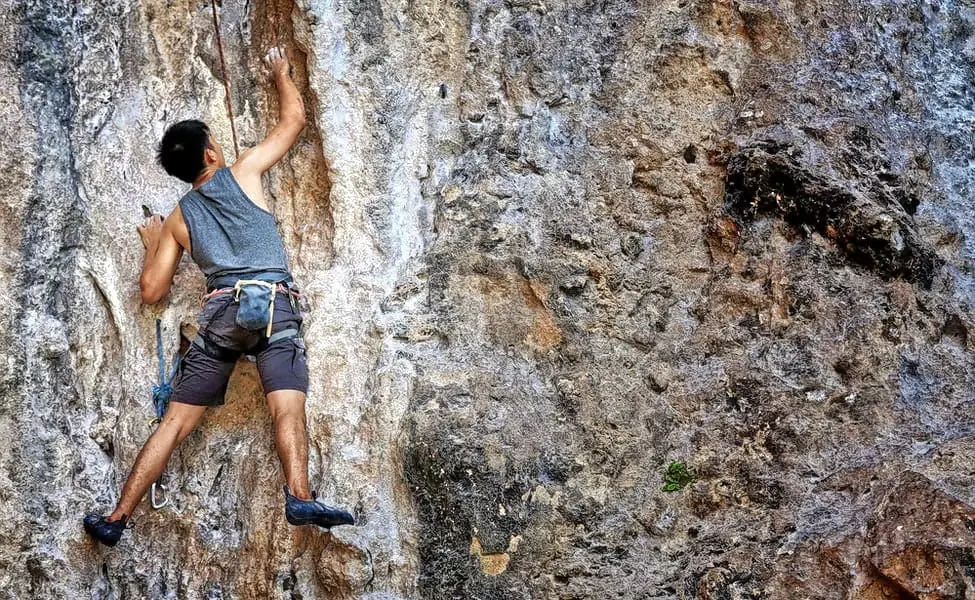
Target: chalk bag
255,300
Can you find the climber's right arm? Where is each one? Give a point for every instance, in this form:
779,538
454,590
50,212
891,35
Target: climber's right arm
291,120
163,253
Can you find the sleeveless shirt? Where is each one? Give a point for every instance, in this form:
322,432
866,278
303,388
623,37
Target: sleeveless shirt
231,237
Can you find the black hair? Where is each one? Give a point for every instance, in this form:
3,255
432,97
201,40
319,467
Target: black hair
181,150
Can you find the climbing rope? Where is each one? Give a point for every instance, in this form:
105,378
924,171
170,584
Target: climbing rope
223,74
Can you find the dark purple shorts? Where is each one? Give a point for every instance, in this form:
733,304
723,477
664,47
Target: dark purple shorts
202,378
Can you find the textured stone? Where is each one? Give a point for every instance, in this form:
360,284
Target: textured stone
548,248
922,542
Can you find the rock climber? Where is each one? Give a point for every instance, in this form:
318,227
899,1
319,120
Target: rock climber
224,223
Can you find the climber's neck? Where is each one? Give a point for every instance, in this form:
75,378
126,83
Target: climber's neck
206,174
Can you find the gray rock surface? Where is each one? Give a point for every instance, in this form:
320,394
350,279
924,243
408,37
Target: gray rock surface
550,248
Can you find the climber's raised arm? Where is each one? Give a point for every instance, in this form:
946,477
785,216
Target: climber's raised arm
291,120
163,253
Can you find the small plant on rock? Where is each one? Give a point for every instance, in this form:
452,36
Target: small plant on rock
678,475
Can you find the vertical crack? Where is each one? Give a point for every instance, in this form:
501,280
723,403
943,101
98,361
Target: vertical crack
303,178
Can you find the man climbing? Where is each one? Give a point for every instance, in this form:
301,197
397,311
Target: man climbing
225,225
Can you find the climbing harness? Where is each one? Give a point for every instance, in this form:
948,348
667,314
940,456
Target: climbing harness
256,302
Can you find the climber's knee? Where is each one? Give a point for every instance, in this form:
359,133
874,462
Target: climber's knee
284,404
181,419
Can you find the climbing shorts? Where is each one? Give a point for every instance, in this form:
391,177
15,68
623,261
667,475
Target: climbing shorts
203,374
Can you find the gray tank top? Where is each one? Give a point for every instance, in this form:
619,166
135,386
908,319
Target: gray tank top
231,237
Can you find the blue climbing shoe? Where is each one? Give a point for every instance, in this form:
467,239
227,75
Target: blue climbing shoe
106,532
313,512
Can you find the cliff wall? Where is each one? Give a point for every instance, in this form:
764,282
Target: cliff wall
550,249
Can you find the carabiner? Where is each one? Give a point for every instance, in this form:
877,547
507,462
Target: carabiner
152,496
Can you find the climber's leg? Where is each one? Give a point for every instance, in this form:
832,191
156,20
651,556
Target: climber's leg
301,506
178,422
200,381
288,412
284,375
283,369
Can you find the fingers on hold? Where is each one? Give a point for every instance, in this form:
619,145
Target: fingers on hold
274,55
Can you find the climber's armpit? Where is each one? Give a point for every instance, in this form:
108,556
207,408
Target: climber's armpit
254,161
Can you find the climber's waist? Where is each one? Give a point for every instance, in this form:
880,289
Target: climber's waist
280,289
229,284
230,280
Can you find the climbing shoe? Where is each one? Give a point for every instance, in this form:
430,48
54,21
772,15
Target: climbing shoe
104,531
313,512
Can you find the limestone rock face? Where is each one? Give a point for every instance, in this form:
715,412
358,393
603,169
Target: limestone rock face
549,249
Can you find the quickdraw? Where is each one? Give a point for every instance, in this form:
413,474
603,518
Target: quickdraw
161,394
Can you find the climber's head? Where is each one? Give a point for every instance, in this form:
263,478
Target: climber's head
187,148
